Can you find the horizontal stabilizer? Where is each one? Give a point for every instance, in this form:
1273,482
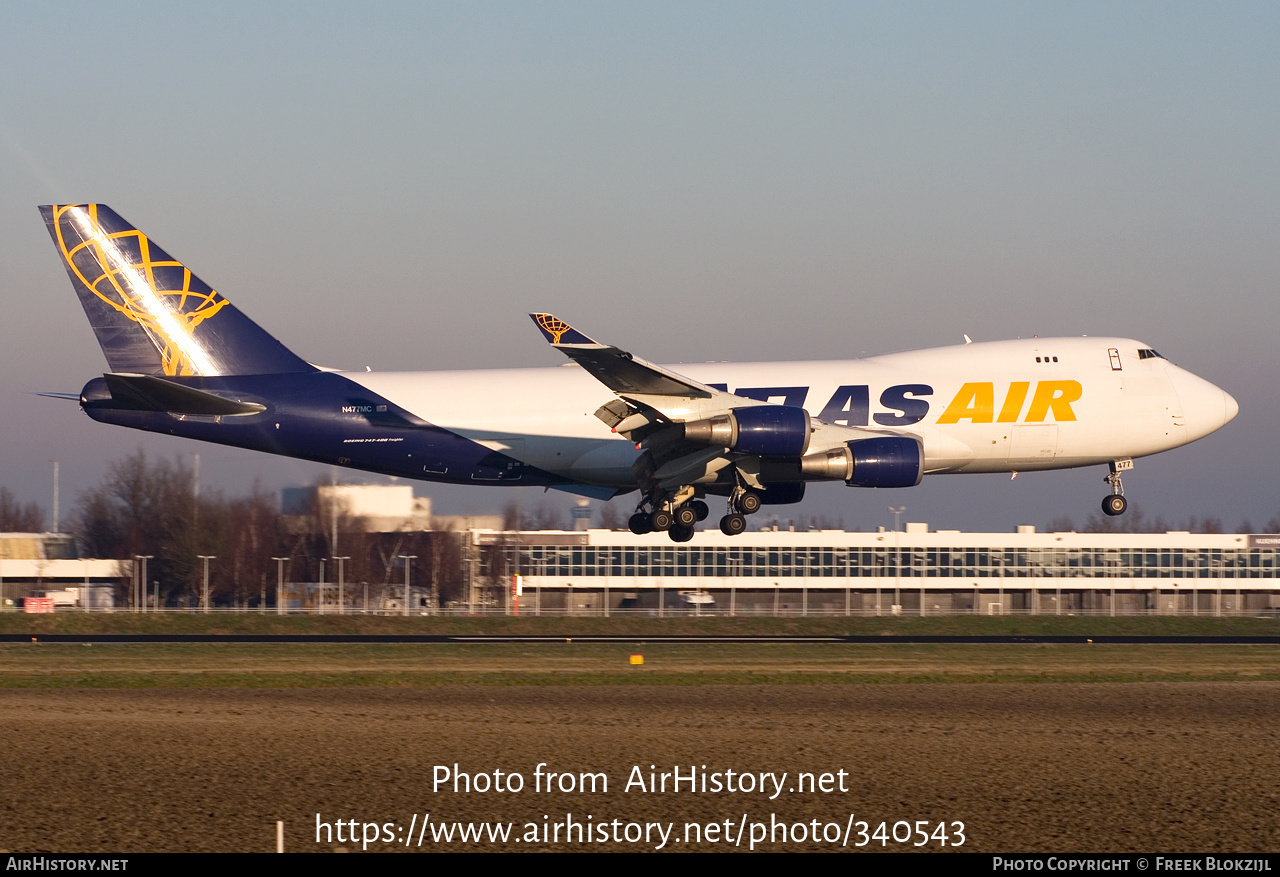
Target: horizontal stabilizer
147,393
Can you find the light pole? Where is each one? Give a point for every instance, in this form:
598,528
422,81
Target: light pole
280,561
406,558
320,593
342,600
143,582
55,495
206,558
896,511
897,555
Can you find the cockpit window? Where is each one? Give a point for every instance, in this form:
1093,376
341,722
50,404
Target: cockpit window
1148,353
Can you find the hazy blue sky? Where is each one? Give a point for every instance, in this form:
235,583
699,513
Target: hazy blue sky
397,185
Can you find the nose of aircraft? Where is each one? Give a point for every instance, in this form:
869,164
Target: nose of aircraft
1205,407
1232,406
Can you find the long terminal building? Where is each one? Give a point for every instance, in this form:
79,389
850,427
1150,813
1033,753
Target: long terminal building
915,571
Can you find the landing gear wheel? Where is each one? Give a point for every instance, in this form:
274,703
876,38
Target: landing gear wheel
701,508
686,516
732,525
1114,505
680,534
660,520
639,524
749,503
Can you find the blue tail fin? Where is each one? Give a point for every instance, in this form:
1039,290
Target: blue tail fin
151,314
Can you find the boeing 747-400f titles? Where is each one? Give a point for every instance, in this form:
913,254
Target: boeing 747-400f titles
184,361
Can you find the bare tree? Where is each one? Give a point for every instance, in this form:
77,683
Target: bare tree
148,507
512,517
257,538
447,565
142,507
546,517
1205,525
18,517
820,522
612,517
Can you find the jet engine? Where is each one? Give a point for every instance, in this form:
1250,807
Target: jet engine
765,430
885,461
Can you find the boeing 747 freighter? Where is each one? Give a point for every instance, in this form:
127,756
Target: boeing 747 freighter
184,361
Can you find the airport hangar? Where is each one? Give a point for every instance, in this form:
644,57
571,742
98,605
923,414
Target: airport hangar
912,572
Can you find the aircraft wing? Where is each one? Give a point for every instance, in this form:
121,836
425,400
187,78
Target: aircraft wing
652,405
689,430
650,398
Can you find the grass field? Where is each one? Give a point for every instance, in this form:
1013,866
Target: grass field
234,665
310,665
632,625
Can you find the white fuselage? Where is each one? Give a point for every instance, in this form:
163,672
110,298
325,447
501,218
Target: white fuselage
1040,403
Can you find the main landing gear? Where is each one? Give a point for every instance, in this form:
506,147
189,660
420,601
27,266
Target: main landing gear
1115,504
742,502
677,520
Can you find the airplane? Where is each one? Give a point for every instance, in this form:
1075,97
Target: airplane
184,361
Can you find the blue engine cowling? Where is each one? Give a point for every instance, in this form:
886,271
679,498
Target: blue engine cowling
890,461
772,430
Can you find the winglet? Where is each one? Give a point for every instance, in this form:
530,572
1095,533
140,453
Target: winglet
557,331
617,369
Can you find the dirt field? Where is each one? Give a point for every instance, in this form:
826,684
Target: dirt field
1151,766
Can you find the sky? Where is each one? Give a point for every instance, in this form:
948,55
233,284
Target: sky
396,185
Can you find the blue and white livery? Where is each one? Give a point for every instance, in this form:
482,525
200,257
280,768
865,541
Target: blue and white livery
184,361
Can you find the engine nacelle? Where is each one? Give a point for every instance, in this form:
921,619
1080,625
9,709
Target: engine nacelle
888,461
891,461
763,430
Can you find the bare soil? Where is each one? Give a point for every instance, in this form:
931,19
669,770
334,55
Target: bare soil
1152,766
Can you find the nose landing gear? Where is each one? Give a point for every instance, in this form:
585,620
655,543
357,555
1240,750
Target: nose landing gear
1115,504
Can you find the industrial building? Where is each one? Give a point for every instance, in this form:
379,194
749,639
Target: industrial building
46,566
372,508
